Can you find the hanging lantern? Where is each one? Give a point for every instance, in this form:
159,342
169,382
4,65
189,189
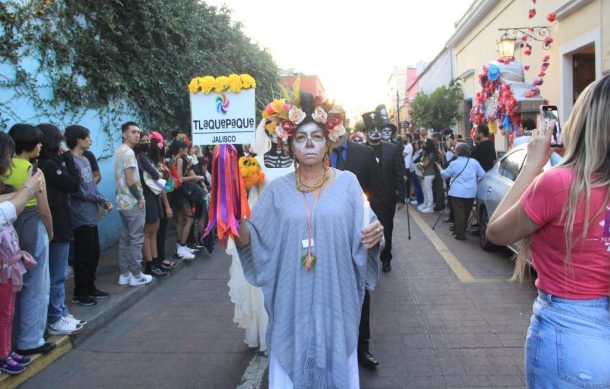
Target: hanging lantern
506,46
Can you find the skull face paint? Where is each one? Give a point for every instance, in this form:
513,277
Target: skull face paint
386,134
374,136
309,144
358,139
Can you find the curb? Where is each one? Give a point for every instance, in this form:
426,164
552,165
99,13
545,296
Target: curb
110,309
39,363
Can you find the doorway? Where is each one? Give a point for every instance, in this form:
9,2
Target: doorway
583,70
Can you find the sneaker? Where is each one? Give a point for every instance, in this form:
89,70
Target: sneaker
64,327
427,210
71,318
86,301
125,279
156,271
184,253
9,366
414,202
98,294
142,279
20,359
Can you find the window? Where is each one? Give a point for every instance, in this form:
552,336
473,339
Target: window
511,165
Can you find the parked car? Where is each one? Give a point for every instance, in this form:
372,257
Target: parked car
495,184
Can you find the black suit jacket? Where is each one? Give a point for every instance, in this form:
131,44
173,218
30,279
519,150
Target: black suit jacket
360,160
392,173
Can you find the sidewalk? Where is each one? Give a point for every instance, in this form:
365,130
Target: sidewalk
122,297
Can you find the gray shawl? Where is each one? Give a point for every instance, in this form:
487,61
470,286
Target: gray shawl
313,315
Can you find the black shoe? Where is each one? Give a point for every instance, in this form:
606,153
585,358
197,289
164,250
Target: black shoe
45,348
157,271
367,360
85,300
98,294
386,267
451,228
448,220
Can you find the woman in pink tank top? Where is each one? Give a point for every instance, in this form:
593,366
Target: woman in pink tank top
563,216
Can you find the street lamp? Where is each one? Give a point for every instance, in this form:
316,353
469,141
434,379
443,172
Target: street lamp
508,41
506,46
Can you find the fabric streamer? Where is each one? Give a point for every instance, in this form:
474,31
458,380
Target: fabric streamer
229,203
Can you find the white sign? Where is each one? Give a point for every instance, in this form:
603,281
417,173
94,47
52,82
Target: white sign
223,118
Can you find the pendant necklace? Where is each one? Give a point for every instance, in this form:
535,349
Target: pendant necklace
309,260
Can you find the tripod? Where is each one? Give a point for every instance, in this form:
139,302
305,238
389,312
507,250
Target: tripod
445,208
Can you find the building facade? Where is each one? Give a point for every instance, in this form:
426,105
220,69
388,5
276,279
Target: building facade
309,83
578,55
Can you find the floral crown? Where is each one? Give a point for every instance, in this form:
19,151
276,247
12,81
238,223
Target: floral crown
282,117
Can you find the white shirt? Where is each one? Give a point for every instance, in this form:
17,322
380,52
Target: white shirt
407,154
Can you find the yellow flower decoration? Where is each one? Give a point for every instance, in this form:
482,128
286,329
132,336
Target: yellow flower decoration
235,83
278,105
207,83
194,85
248,81
221,84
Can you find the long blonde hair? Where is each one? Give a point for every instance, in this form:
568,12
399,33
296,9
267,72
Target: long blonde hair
586,139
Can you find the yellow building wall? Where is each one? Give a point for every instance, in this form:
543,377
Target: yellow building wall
479,47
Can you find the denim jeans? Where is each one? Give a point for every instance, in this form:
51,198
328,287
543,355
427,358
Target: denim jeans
58,267
33,299
568,343
419,193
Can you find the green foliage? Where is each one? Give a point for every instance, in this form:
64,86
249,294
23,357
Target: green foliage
439,110
359,126
142,51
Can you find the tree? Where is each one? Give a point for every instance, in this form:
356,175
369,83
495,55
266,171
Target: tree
439,110
143,51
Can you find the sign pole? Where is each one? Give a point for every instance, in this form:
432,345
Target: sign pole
408,199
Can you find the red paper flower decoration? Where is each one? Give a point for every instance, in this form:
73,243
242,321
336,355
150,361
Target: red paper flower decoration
532,13
547,41
546,58
551,17
526,67
541,74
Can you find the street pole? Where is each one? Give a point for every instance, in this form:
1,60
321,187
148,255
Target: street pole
408,198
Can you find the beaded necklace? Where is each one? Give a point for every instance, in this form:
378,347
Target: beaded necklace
302,187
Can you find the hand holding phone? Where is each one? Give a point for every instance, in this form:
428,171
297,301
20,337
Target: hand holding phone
549,118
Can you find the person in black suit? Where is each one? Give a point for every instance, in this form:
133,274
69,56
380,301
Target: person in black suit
360,160
392,169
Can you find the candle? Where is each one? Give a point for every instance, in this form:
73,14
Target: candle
367,208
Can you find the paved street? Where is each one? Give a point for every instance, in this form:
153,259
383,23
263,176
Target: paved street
437,320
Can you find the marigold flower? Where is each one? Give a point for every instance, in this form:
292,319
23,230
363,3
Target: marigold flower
235,83
248,81
194,85
207,83
221,84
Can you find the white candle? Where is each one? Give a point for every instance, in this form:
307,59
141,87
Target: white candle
367,208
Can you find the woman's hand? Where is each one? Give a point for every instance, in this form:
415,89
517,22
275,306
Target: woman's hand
169,212
538,149
372,234
35,181
108,206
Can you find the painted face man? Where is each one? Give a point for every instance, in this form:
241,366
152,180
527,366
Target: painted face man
386,135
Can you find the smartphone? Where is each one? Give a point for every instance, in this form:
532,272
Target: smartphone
550,119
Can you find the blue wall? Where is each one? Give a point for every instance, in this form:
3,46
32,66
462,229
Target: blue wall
34,105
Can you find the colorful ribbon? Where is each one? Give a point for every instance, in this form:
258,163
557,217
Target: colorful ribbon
229,203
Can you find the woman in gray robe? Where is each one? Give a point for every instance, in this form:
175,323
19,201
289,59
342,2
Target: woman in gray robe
312,245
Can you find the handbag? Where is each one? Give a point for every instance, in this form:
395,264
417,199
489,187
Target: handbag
192,191
156,186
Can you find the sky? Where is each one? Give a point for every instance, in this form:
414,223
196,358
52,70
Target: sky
352,46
